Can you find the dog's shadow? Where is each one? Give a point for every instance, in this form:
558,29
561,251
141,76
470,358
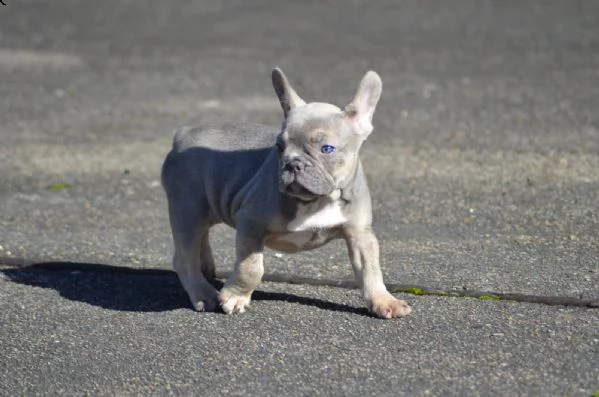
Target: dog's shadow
134,290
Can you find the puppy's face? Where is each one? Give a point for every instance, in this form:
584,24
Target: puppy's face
319,143
318,150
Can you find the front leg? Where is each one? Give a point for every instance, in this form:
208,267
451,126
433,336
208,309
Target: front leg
236,294
363,250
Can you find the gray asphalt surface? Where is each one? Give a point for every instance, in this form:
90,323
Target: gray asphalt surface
484,170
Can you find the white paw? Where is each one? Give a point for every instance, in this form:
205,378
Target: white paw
232,301
387,306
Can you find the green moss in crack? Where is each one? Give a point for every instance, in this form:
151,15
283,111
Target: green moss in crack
489,298
453,294
57,187
413,291
418,291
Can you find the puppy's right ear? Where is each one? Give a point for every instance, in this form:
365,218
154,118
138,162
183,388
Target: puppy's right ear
361,109
287,96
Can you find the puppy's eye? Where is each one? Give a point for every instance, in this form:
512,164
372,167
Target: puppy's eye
328,149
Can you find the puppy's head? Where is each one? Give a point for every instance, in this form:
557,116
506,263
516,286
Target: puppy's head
319,143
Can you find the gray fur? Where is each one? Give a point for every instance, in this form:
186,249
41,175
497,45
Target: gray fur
278,189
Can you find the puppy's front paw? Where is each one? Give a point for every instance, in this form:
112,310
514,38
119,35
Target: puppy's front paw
387,306
232,301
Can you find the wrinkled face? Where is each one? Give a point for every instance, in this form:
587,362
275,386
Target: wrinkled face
318,151
318,145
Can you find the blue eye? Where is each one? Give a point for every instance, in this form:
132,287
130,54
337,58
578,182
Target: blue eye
327,149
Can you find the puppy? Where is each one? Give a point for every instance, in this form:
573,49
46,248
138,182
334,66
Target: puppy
290,189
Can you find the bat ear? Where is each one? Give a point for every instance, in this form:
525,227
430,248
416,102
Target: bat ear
361,109
287,96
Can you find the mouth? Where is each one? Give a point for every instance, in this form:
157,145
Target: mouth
303,180
298,191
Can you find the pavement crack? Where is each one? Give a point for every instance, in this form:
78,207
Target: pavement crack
430,291
11,262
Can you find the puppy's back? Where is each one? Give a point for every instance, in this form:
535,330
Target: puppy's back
227,137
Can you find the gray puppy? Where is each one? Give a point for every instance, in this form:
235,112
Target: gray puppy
290,189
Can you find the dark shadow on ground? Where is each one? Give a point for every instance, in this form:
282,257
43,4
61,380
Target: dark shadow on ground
130,289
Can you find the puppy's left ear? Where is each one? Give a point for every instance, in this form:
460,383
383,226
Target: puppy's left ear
361,109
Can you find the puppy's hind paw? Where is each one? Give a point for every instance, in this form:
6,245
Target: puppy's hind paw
208,305
387,306
234,302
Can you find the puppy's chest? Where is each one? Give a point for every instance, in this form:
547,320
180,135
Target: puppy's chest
313,216
312,227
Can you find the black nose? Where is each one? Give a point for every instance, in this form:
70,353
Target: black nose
295,165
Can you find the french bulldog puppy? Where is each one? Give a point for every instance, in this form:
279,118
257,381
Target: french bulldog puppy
290,189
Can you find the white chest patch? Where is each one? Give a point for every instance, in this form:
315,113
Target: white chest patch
317,216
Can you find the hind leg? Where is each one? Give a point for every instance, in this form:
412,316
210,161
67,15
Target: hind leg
189,215
193,259
206,259
194,266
